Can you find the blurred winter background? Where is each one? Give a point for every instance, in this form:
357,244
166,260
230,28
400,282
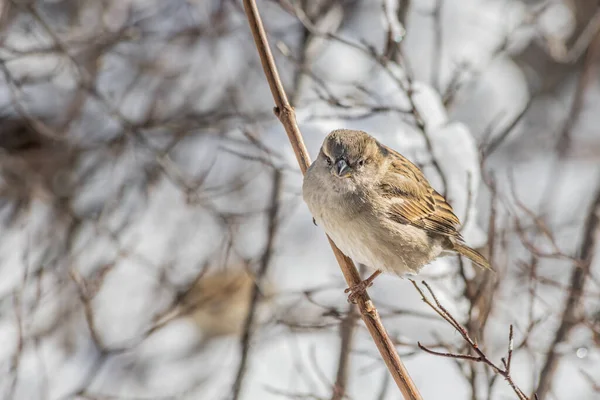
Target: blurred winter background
154,243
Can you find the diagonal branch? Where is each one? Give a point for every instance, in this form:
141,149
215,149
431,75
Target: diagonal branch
285,113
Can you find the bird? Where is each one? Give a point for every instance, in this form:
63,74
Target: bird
379,209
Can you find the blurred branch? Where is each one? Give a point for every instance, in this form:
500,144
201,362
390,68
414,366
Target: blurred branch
347,328
579,276
420,121
256,290
286,115
436,64
501,136
395,13
587,76
15,93
559,51
585,80
480,355
328,15
382,395
15,361
595,386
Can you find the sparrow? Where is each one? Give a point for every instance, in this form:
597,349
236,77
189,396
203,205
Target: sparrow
379,209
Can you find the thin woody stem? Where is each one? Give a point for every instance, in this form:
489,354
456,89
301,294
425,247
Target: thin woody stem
371,278
285,113
437,306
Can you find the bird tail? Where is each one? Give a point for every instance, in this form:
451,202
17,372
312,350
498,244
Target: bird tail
472,255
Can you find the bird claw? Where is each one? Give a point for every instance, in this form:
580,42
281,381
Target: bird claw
354,292
361,288
315,222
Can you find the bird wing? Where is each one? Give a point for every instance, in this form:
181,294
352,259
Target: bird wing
413,201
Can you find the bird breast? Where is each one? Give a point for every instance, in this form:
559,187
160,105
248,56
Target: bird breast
362,231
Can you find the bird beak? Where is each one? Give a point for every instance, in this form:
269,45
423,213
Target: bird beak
341,167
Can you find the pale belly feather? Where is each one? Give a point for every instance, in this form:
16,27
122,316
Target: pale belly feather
369,239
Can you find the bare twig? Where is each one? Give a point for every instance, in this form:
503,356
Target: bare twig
479,356
286,115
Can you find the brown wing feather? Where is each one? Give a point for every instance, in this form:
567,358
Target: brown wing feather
414,201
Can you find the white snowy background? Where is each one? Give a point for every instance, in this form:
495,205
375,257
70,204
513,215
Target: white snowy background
128,222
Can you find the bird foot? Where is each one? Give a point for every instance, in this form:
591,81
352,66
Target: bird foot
355,291
360,288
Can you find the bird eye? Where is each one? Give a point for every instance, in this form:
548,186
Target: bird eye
361,162
329,162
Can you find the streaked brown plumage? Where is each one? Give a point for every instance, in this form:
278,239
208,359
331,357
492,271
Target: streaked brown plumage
378,207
